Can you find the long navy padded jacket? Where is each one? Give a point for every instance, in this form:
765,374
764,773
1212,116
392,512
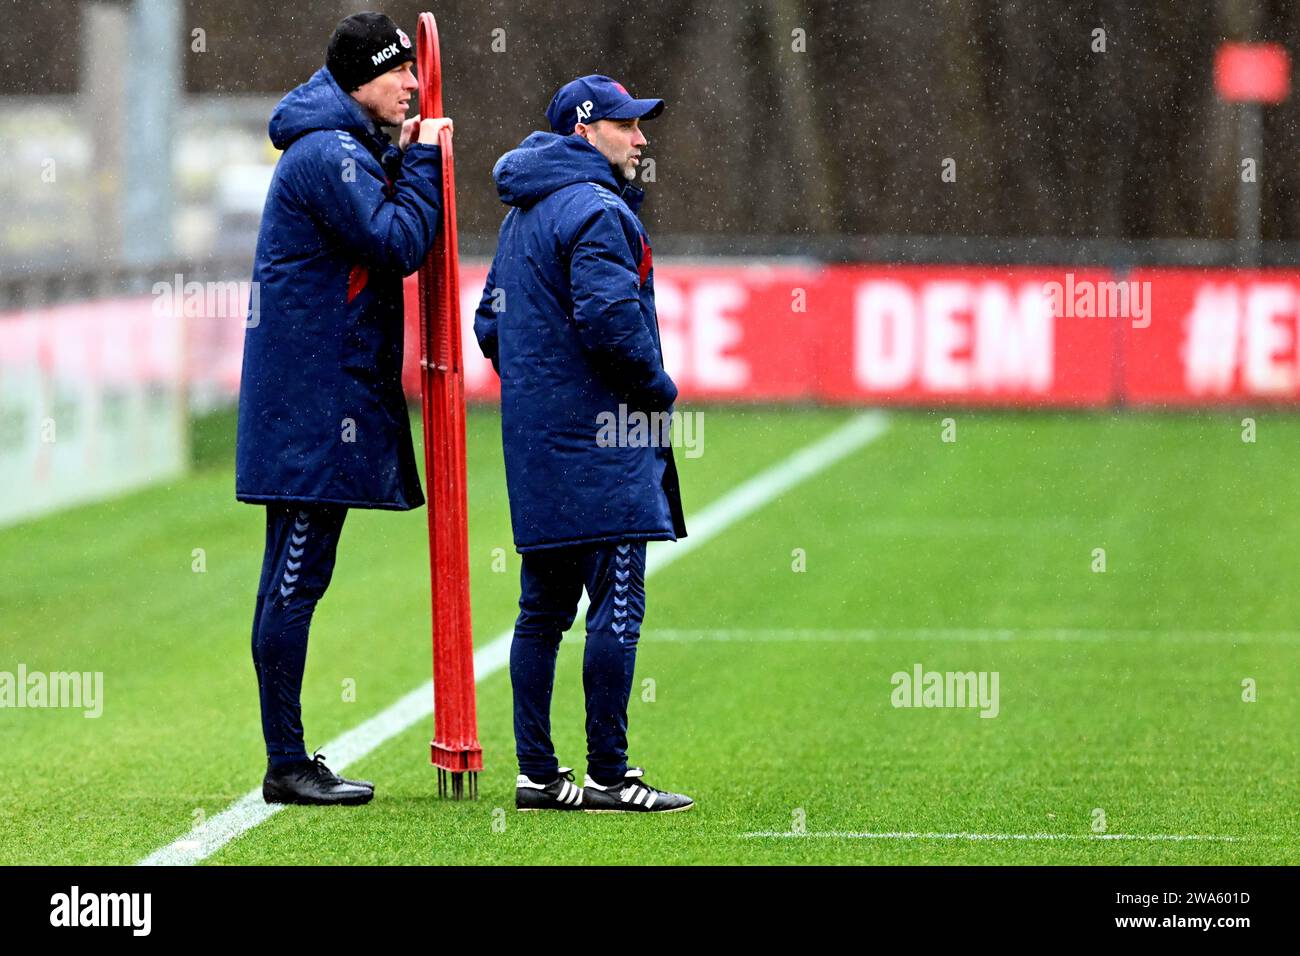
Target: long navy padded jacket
568,319
322,417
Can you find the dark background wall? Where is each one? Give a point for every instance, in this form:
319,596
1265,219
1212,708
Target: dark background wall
849,137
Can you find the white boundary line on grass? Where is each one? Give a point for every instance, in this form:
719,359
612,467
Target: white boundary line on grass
742,501
977,634
1147,837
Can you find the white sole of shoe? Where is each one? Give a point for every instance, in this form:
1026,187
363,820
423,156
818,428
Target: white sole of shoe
547,809
673,810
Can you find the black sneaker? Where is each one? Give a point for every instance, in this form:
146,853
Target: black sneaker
560,794
313,783
633,795
319,757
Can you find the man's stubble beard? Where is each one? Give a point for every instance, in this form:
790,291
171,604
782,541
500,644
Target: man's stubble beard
624,172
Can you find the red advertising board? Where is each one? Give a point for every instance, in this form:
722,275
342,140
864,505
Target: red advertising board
480,380
871,335
962,335
879,334
1216,337
736,333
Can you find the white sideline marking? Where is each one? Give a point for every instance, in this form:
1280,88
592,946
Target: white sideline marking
839,635
1148,837
739,503
945,527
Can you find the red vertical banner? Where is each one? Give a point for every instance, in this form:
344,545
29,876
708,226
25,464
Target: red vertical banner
455,749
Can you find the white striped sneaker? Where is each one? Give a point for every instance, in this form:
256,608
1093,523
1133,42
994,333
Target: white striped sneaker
633,795
560,794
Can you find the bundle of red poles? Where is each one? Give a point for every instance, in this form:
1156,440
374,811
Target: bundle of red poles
455,749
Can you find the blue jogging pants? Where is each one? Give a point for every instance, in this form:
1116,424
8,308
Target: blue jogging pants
550,584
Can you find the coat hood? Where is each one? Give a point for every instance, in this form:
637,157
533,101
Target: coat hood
320,103
545,162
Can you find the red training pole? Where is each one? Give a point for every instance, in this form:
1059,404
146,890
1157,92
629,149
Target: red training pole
455,748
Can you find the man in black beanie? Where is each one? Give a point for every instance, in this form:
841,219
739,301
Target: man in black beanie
323,422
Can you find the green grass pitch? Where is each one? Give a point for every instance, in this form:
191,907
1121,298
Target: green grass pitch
1120,691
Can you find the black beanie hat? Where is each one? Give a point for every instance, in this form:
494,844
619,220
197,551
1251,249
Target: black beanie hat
365,45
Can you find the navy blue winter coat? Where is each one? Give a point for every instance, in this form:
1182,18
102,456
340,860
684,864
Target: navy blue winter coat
322,417
573,334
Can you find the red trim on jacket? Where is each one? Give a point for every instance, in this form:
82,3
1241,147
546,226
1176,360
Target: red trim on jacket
647,260
357,280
